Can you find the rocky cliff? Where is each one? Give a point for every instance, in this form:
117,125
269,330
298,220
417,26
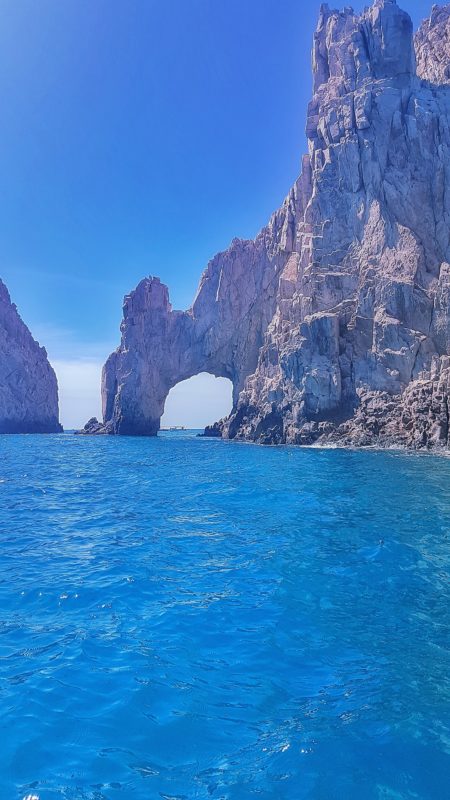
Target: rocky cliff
334,323
28,386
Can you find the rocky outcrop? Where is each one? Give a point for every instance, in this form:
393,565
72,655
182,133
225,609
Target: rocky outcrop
334,323
214,431
28,386
432,45
93,426
222,334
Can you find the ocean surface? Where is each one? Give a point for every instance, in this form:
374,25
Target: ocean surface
190,618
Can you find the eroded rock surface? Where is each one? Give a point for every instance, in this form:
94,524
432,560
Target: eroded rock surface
432,45
334,323
28,385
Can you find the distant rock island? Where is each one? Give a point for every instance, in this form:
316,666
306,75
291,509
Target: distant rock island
28,385
334,323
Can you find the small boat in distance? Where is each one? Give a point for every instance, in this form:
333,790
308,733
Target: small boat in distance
174,428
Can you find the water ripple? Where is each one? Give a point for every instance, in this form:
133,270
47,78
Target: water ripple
184,618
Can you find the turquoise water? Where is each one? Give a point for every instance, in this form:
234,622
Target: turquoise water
190,618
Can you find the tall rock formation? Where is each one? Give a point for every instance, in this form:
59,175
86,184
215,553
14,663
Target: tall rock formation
28,386
334,323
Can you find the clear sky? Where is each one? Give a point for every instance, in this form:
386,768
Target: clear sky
139,137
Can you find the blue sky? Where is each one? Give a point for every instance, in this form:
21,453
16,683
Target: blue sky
139,137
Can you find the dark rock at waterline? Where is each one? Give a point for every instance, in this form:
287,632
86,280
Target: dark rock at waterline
93,427
213,431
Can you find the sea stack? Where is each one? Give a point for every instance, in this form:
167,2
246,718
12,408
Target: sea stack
28,385
333,324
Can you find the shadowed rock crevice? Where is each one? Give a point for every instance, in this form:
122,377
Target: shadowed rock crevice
334,323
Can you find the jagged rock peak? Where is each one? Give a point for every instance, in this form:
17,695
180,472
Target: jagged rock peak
432,43
350,48
28,385
150,293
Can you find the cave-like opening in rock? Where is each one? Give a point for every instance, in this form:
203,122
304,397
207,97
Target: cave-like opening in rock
197,402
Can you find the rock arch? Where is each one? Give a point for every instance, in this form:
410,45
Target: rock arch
221,333
197,402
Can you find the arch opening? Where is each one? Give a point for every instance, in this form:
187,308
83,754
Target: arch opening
197,402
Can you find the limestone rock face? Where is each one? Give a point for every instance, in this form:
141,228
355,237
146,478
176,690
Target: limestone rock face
334,323
432,43
28,386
